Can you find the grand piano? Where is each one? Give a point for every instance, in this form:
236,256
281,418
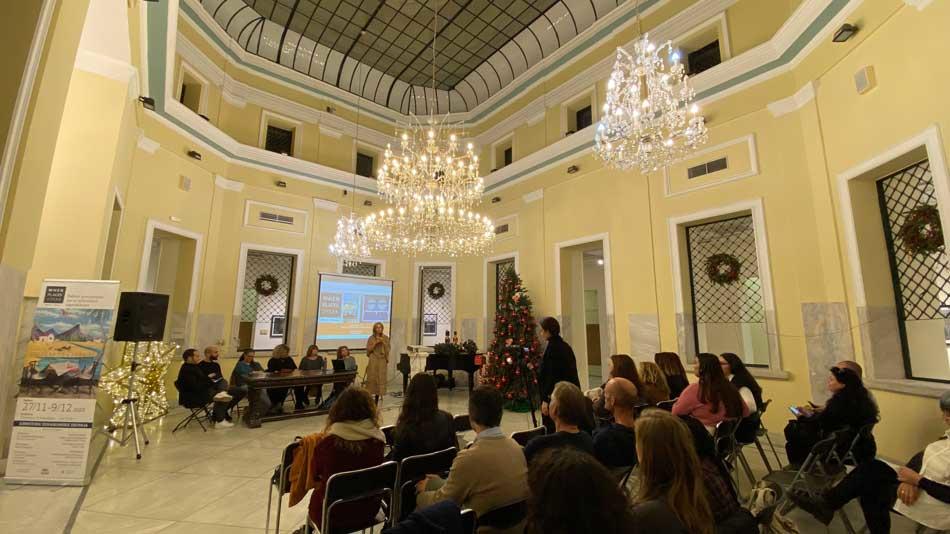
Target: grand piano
470,363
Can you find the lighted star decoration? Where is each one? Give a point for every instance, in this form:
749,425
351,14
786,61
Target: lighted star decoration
153,360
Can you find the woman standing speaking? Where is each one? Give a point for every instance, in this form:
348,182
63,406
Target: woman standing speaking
377,350
557,365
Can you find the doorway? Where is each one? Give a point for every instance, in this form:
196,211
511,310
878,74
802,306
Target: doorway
584,304
169,270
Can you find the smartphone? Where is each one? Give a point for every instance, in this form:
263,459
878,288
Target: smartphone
795,411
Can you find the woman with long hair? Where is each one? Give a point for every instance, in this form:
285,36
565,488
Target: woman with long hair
713,399
377,350
655,389
850,407
312,361
352,441
738,374
553,509
422,427
671,498
673,370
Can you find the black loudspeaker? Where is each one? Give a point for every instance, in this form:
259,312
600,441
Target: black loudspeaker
141,317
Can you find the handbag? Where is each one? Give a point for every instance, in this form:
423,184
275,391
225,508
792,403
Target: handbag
763,504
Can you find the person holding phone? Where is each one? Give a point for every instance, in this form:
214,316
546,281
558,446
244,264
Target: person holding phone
377,350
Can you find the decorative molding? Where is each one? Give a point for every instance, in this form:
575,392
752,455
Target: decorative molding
230,185
919,4
233,99
748,140
795,102
535,118
330,132
198,237
325,205
120,71
147,144
537,194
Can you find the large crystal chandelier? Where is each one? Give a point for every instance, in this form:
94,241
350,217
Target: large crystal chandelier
431,183
649,119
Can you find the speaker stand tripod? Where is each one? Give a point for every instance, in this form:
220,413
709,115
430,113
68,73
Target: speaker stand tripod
129,404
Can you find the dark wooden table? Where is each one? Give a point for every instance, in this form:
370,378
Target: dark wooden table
257,382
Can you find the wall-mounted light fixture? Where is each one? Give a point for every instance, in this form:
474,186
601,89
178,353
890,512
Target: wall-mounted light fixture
147,102
193,154
367,202
845,32
280,183
495,200
573,169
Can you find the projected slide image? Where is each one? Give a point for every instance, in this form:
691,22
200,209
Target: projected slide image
349,306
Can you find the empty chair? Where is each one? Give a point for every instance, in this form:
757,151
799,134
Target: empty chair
524,436
414,469
373,486
761,431
729,451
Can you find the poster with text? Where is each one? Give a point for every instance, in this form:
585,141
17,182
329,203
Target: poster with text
52,424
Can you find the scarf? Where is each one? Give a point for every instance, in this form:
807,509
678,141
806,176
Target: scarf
357,430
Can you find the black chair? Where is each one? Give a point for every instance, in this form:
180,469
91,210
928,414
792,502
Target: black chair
638,408
390,432
666,405
281,481
759,432
199,413
462,423
504,517
730,453
622,476
468,521
524,436
377,482
413,469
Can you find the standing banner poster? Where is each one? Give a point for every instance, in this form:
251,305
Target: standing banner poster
53,421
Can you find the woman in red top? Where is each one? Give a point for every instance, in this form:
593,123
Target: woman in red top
713,399
353,441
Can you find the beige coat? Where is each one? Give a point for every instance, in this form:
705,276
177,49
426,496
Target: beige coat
489,474
378,354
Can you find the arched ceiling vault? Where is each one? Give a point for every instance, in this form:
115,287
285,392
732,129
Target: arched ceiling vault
382,49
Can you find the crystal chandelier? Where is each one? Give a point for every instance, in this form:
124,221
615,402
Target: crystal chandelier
431,183
649,119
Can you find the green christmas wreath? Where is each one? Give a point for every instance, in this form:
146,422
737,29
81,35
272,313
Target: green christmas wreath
723,269
921,232
436,290
266,285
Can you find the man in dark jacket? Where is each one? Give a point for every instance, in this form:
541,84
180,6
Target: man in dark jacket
557,365
195,388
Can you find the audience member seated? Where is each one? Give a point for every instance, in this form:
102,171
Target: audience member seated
571,493
673,370
422,427
728,514
281,362
196,388
353,441
655,389
441,518
615,444
850,406
739,376
621,366
671,499
568,409
713,399
491,472
312,361
210,366
349,364
921,489
244,367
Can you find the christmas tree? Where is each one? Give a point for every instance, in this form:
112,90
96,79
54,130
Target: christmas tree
514,337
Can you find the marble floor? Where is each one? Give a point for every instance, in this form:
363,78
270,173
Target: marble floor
216,482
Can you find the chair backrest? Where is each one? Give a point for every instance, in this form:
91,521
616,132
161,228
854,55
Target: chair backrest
504,517
361,484
638,408
765,406
390,432
413,469
281,477
813,469
462,423
725,436
468,521
852,438
524,436
666,405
